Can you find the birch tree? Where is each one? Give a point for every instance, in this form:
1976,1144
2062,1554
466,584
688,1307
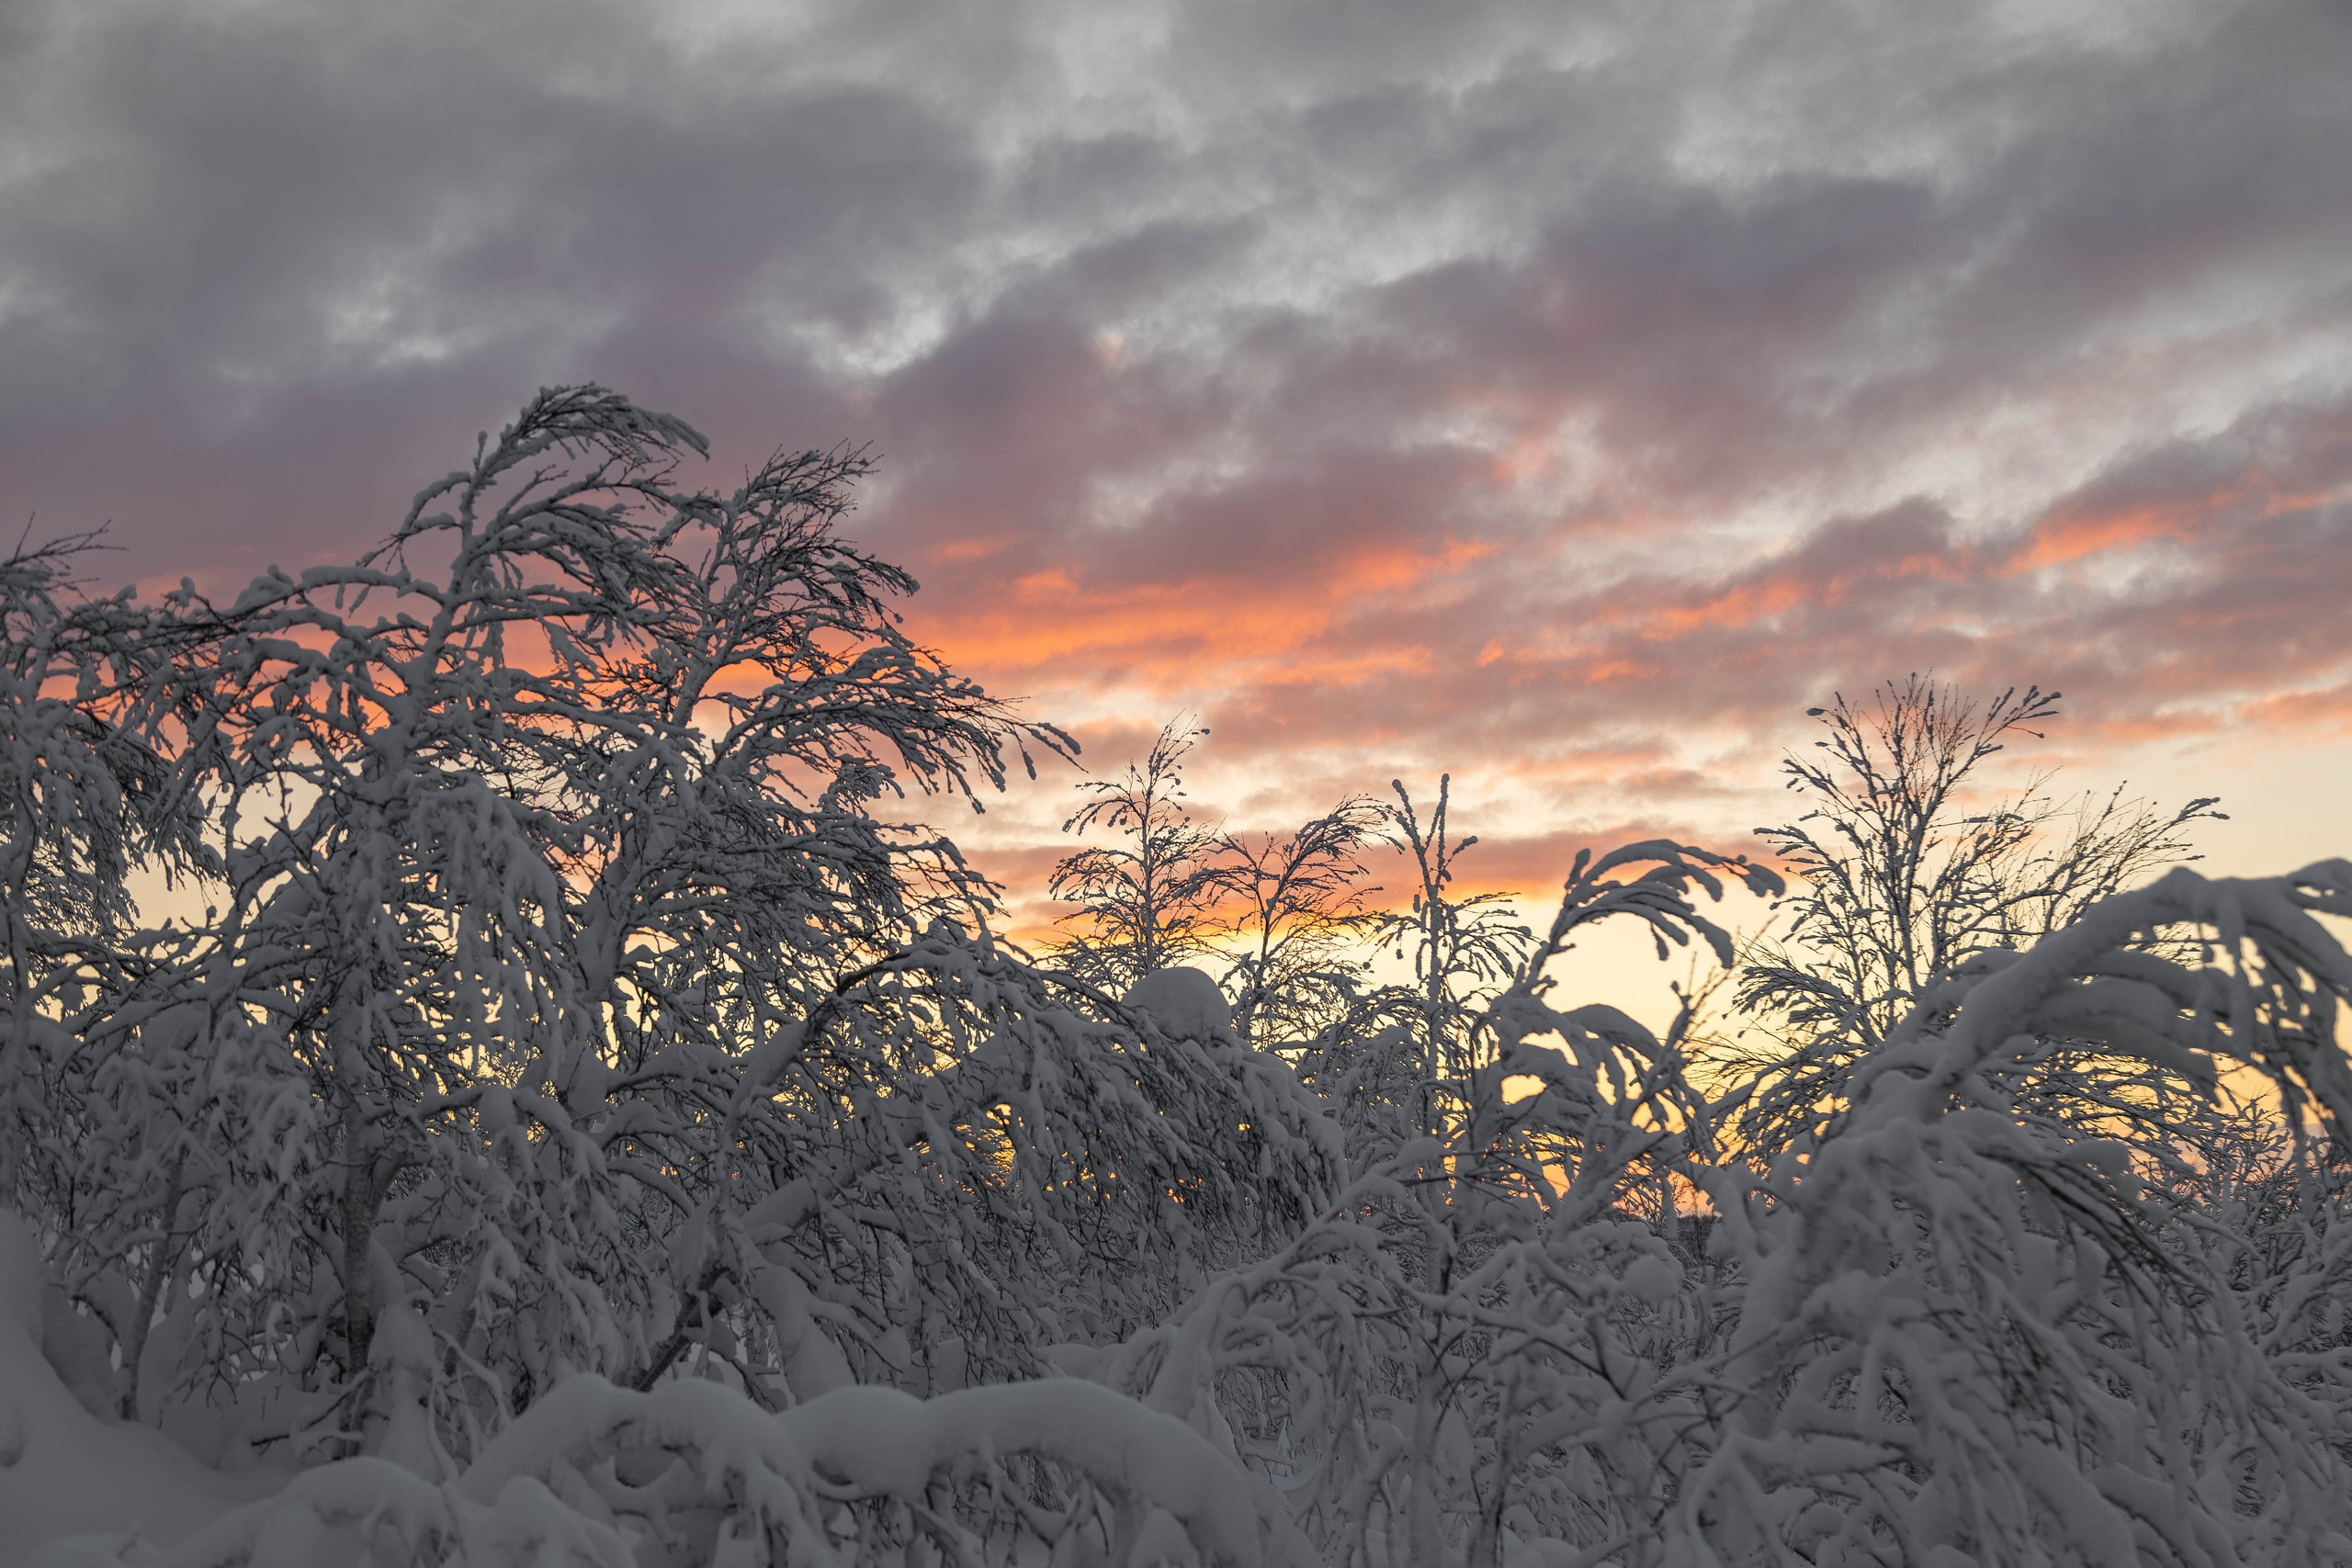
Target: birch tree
1146,898
1908,867
1300,906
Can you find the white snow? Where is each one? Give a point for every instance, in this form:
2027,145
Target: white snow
1185,1002
74,1487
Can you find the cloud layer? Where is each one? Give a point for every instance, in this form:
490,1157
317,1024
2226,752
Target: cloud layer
1566,396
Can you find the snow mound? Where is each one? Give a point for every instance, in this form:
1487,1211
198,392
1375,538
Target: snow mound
20,1279
1185,1003
86,1490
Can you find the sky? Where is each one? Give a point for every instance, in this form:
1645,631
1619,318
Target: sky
1563,396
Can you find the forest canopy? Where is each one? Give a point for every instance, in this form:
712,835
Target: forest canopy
598,1120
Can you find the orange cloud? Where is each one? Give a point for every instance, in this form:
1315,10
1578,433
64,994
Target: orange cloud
2063,537
1052,619
959,552
2086,525
2323,712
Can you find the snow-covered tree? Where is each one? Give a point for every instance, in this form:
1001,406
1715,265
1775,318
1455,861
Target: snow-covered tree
568,1020
1300,906
1147,898
1386,1061
1906,869
531,825
1459,944
1965,1332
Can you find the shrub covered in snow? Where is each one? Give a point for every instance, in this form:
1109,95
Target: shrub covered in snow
586,1130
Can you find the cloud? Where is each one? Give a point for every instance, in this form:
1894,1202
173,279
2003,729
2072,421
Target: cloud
1562,397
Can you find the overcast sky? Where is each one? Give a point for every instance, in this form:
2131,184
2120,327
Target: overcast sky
1565,395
